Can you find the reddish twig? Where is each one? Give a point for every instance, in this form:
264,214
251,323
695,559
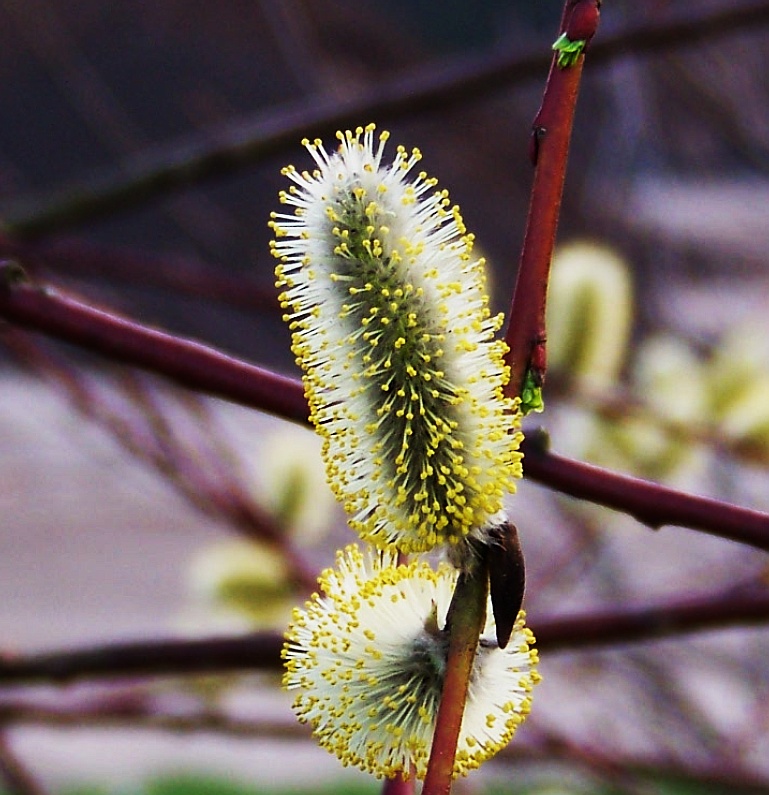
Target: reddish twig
64,317
718,774
214,372
159,172
551,133
243,653
650,503
261,651
650,622
464,624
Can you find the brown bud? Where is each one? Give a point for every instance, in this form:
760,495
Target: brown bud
507,579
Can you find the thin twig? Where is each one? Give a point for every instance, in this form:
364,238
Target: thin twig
718,773
464,624
261,651
650,503
551,134
64,317
158,172
398,785
244,653
749,607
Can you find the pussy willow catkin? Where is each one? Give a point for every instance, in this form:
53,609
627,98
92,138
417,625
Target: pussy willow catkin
366,663
391,326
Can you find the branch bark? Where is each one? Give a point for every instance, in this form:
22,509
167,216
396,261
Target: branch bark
464,624
650,503
261,651
64,317
242,653
550,137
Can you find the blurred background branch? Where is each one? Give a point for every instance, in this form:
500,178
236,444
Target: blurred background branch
224,150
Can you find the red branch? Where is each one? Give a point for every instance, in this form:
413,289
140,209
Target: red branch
398,785
464,623
142,658
634,624
129,709
650,503
551,133
215,373
261,651
189,363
